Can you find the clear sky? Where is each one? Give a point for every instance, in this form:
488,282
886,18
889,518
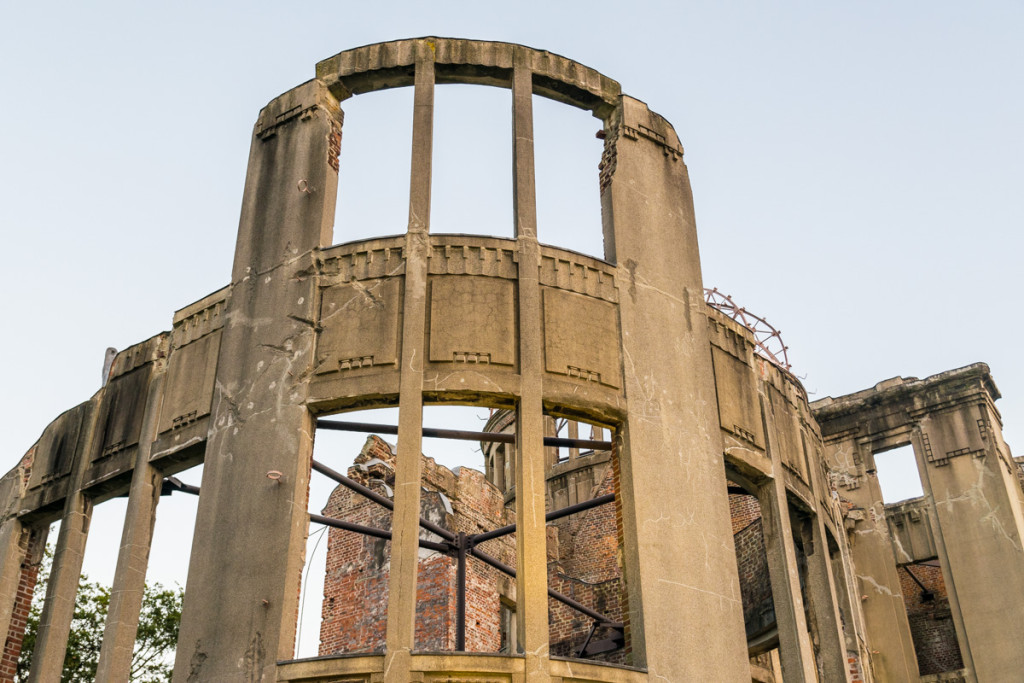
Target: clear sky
856,167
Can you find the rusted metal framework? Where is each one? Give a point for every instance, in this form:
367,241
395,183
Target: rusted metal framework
461,546
768,340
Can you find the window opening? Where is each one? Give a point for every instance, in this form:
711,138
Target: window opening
344,584
567,152
752,563
509,629
443,540
373,166
573,431
174,527
471,192
460,592
584,532
897,473
931,619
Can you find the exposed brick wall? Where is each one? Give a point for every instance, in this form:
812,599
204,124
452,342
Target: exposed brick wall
744,509
583,553
31,544
751,563
356,584
586,568
755,585
853,666
931,623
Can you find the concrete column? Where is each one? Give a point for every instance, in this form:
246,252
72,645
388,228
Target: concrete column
18,576
795,650
13,546
574,433
963,640
979,536
126,593
680,563
252,519
62,587
405,529
877,587
531,536
12,554
824,596
853,623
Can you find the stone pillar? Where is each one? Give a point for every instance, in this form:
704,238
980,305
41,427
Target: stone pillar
878,586
680,566
21,551
531,527
12,547
978,533
795,650
62,587
126,593
853,619
824,597
252,519
19,576
963,641
405,525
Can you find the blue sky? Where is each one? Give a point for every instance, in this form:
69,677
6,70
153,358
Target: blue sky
856,167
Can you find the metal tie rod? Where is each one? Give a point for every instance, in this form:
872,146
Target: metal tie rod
550,517
431,432
372,531
377,498
564,599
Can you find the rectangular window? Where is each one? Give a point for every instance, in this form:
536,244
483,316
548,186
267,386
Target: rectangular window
898,475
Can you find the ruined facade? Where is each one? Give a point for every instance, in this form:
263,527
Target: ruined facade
750,538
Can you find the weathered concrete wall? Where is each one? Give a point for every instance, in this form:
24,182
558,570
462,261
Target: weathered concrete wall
973,509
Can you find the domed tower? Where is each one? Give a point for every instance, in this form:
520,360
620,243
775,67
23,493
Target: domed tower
427,317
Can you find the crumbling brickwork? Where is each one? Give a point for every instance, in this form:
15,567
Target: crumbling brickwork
755,586
583,552
586,568
743,509
931,622
356,584
31,544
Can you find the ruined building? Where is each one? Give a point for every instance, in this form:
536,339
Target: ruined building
713,526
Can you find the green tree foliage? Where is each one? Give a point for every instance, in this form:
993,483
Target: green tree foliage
155,640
